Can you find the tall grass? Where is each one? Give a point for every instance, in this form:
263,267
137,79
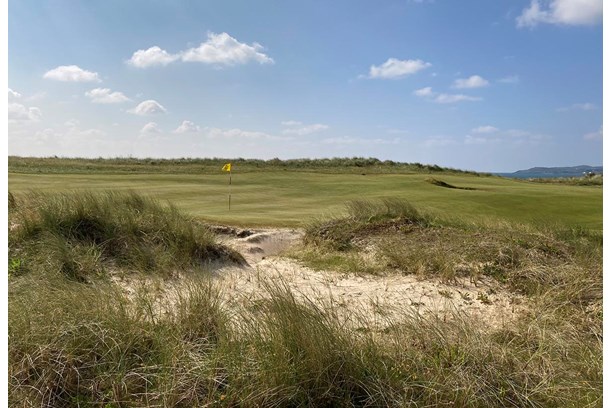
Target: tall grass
77,345
213,165
82,234
91,344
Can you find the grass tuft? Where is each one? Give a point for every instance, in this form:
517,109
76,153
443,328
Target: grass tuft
83,235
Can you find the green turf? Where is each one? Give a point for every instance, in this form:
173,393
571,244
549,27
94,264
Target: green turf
281,198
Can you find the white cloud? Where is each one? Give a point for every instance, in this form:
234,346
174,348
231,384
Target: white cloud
485,129
568,12
223,49
394,68
148,107
71,73
452,98
510,79
20,113
13,95
151,57
424,91
594,135
104,95
475,81
578,106
219,49
187,127
150,128
305,130
430,95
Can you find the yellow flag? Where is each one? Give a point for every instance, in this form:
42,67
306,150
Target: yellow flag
227,167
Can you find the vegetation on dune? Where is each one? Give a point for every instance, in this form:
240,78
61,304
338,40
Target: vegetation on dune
91,344
72,344
85,234
395,236
213,165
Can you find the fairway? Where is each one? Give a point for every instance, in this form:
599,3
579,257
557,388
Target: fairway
282,198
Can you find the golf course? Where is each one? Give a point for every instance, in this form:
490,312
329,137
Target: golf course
265,196
343,282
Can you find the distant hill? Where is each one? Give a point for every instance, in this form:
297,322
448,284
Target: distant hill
554,172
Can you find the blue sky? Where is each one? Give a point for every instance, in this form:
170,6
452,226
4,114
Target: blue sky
481,85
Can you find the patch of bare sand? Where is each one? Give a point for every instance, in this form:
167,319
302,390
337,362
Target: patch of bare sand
381,300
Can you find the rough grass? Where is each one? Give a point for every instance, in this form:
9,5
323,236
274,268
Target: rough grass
77,344
84,234
378,236
132,165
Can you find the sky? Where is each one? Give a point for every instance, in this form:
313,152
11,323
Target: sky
478,85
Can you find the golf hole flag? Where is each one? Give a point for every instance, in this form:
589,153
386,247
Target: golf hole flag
228,167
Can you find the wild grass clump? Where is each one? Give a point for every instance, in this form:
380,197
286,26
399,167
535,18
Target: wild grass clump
82,235
81,345
362,217
390,235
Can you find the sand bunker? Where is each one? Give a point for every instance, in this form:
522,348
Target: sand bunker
380,299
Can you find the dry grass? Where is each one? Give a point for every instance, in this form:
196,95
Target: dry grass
89,344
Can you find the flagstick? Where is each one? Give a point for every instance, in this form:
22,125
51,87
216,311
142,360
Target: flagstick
229,201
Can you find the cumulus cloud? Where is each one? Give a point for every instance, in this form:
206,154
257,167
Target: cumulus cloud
150,128
562,12
485,129
578,106
219,49
104,95
151,57
148,107
394,68
223,49
187,127
304,130
475,81
20,113
71,73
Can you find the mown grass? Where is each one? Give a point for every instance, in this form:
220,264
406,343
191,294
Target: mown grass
88,343
273,196
84,234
